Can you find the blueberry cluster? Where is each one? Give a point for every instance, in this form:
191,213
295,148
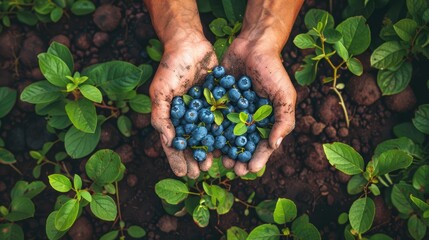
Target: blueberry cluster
222,114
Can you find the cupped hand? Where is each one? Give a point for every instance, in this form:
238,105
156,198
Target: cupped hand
183,65
262,63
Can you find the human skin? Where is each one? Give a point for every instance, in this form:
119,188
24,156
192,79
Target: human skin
188,56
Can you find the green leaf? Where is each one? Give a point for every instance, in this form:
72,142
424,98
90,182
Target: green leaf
217,25
220,47
187,99
400,197
59,122
265,210
342,51
51,232
77,182
264,132
60,182
355,66
304,41
343,218
103,207
233,117
362,214
6,157
124,125
307,231
407,129
356,34
264,231
416,227
344,158
141,104
240,129
380,236
225,203
421,179
56,14
332,36
356,184
208,95
20,208
285,211
390,161
388,55
147,72
307,72
7,99
54,69
374,189
27,17
171,190
103,167
86,195
201,216
236,233
263,112
136,231
300,221
91,93
82,7
40,92
79,144
204,6
405,28
314,16
234,10
416,8
243,117
421,119
83,115
395,81
155,50
112,235
67,215
422,205
61,51
404,144
218,117
28,190
11,231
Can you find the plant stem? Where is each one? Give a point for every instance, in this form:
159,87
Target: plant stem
16,169
106,106
118,202
244,203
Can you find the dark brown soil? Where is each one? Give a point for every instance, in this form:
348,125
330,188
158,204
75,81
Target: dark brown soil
297,170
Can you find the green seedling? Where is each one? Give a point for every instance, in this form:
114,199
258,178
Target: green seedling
243,122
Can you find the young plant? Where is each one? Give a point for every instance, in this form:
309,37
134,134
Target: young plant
274,213
70,99
350,38
41,159
21,207
225,34
244,121
404,41
216,105
33,11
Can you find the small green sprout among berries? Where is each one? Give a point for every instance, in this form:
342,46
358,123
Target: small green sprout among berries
222,114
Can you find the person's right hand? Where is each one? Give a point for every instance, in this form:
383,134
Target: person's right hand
185,63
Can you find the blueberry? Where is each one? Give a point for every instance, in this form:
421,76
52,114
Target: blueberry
196,104
225,149
206,116
251,128
179,143
272,119
234,94
210,148
180,130
177,111
230,108
177,100
229,133
244,156
189,128
208,140
209,82
226,123
175,121
240,141
193,142
218,92
251,108
220,142
244,83
263,123
227,81
199,133
254,137
218,71
199,155
232,152
250,146
242,103
250,95
195,92
263,101
191,116
183,121
216,130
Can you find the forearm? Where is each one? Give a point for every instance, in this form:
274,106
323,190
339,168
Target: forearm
270,21
175,20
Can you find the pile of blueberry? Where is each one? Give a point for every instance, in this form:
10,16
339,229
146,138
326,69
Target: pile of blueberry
219,115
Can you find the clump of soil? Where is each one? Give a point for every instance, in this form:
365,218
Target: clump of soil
363,89
404,101
107,17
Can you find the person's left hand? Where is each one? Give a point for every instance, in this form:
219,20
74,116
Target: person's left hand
261,62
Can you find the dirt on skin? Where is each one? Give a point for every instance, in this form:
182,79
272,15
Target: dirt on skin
297,170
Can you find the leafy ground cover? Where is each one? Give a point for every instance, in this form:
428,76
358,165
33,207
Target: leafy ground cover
334,177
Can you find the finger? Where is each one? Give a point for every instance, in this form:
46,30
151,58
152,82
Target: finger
217,153
227,162
160,116
192,165
260,157
284,115
240,169
176,160
206,164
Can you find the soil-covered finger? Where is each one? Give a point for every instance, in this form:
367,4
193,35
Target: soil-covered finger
193,170
260,157
206,164
176,160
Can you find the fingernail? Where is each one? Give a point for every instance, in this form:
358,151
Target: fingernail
279,141
164,139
